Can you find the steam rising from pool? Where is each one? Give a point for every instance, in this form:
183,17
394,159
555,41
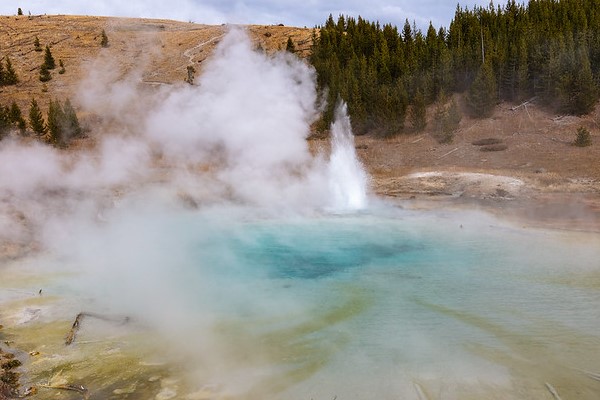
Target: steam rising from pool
204,217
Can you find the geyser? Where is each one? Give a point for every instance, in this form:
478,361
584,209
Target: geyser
347,176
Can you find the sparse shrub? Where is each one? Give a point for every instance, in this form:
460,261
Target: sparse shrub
583,138
104,39
36,120
62,69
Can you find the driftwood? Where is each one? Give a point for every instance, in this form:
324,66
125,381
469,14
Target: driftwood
74,388
79,319
552,391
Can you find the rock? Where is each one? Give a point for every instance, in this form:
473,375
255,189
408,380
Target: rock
166,394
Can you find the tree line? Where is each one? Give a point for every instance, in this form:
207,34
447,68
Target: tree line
59,128
547,49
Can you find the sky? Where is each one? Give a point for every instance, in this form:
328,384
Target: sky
289,12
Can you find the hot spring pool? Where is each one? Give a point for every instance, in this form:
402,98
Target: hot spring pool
384,304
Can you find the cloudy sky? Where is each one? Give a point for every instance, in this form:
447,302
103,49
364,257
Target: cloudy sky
289,12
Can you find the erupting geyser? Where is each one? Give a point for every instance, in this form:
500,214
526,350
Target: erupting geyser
347,177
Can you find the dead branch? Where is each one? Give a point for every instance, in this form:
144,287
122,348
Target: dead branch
79,319
552,391
523,104
448,153
74,388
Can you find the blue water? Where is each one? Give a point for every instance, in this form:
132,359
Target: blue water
384,304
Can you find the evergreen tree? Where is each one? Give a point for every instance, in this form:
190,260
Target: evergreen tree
482,93
36,120
446,120
71,124
16,117
4,121
56,124
418,115
62,69
104,39
19,11
584,93
45,74
583,138
10,76
290,46
49,59
36,44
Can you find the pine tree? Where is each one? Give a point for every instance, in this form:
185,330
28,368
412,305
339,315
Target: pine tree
10,76
56,124
71,124
446,120
49,59
482,93
290,46
36,120
45,75
36,44
19,11
583,138
104,39
16,117
584,90
4,121
418,115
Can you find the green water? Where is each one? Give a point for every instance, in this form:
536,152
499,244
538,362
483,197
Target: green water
384,304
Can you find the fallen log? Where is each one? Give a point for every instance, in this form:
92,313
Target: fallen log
79,319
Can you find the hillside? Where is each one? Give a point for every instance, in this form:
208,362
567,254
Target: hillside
536,143
161,49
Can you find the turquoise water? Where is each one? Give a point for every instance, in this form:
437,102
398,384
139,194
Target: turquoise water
391,304
383,304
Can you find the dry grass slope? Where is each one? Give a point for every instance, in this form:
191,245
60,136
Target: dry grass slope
162,49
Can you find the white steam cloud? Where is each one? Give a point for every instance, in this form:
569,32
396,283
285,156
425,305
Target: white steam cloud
232,147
